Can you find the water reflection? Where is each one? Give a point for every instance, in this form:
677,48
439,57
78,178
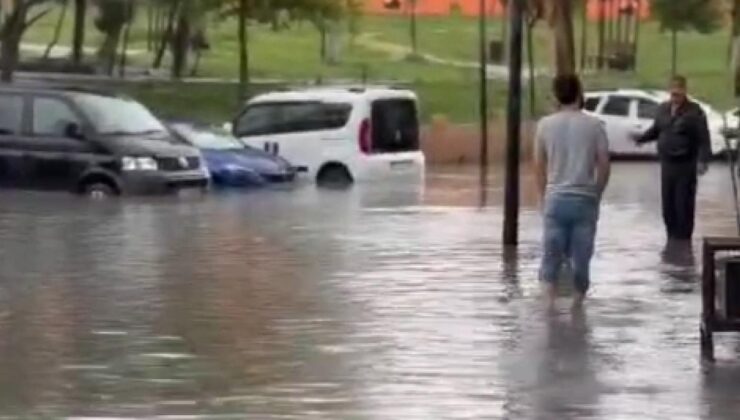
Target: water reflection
379,302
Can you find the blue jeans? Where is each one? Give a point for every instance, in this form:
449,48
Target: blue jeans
570,229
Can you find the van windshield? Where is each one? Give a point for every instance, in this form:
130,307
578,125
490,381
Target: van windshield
112,115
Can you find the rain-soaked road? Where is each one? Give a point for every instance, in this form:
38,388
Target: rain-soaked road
389,302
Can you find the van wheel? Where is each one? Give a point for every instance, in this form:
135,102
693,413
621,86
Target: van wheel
98,190
334,176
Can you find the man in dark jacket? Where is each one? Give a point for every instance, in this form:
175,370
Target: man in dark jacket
684,149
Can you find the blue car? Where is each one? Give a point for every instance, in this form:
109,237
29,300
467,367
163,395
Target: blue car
231,163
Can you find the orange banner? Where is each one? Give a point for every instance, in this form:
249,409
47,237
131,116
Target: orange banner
612,8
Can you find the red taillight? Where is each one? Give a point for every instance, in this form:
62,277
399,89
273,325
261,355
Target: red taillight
366,137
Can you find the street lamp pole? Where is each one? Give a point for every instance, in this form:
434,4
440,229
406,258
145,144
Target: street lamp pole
483,94
513,125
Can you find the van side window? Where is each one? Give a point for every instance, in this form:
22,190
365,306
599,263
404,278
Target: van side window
11,114
51,117
592,103
292,117
257,120
617,106
646,110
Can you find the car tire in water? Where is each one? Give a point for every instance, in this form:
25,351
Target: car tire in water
334,176
98,190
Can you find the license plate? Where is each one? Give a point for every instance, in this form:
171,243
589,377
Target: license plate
399,164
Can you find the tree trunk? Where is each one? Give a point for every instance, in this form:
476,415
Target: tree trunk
636,41
78,39
166,36
108,49
243,50
602,35
124,47
674,52
584,33
9,51
11,35
322,41
181,46
735,46
57,30
412,29
563,39
196,63
530,65
150,22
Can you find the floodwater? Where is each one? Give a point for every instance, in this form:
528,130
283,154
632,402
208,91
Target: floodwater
383,302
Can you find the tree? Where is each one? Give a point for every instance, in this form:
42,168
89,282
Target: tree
413,31
15,24
113,15
734,45
532,14
57,29
678,16
78,38
243,48
560,18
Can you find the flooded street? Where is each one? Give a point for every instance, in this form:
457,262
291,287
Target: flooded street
384,302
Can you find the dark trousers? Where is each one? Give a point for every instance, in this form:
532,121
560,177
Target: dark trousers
679,198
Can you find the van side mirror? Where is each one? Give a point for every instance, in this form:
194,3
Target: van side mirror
74,131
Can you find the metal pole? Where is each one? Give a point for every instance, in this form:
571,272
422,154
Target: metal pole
483,94
513,123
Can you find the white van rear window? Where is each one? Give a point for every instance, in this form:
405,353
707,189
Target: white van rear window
395,126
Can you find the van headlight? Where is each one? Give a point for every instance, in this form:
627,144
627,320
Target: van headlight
133,163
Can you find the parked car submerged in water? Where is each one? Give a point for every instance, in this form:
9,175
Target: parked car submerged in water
93,143
230,162
338,135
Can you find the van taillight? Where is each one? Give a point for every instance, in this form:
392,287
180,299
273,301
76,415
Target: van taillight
366,137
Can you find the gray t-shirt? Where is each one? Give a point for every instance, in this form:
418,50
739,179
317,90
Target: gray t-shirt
571,142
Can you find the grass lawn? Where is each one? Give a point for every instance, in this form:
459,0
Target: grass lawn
293,56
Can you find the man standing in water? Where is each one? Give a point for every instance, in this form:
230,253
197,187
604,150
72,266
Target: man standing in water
684,148
572,167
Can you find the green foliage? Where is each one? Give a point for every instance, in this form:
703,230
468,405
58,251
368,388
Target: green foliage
703,16
113,14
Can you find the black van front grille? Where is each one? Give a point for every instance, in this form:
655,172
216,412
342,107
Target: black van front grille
173,164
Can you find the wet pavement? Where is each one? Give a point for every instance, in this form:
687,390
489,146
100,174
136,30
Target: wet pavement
384,302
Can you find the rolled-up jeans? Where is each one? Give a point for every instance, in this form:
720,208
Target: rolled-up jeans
570,228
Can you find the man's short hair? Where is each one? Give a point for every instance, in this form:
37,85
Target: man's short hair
567,89
679,80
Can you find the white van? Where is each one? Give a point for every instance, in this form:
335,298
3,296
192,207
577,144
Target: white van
338,135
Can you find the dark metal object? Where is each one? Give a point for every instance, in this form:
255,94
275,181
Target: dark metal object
513,124
727,319
483,74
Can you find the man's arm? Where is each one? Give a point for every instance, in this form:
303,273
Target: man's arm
603,163
540,164
653,132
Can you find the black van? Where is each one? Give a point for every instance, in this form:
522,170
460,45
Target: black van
91,143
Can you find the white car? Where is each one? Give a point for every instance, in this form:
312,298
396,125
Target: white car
625,112
338,135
